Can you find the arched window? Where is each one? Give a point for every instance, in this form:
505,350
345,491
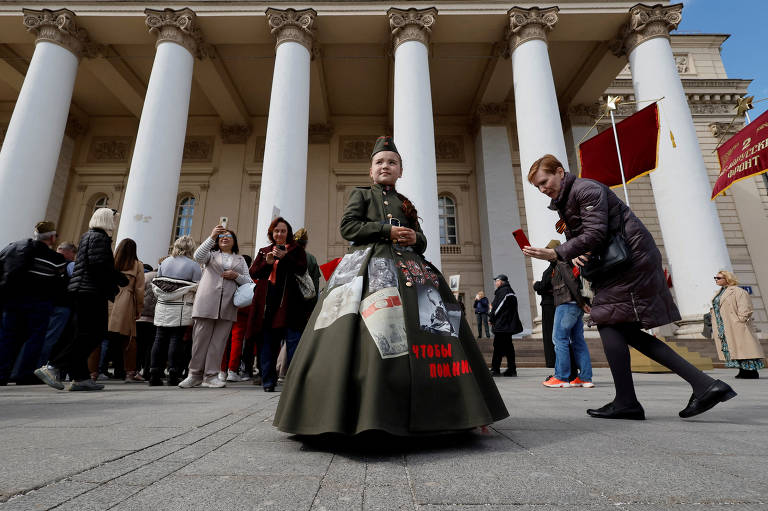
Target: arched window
100,202
185,209
448,232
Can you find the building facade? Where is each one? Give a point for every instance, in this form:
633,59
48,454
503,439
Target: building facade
178,115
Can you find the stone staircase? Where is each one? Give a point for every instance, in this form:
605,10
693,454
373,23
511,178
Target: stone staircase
529,352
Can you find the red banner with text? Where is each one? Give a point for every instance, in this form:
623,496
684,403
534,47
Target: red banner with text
743,155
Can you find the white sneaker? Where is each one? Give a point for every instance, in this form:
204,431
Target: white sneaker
222,376
213,382
190,381
233,377
102,377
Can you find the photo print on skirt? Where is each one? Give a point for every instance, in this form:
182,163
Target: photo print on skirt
348,268
341,300
382,313
433,314
381,274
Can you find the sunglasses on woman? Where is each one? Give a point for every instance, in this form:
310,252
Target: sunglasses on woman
225,235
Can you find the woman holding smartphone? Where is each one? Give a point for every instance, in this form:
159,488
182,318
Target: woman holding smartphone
627,301
277,300
214,311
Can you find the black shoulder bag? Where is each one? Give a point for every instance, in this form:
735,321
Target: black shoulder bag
612,258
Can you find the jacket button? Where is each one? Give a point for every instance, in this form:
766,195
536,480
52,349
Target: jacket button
398,253
408,284
389,215
386,203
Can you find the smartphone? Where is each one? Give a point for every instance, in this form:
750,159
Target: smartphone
223,221
521,238
281,247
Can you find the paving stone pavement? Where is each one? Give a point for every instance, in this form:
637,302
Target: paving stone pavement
138,448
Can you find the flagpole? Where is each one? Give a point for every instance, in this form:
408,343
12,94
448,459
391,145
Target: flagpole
621,164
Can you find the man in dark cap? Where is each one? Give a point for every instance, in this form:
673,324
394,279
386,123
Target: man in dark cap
505,322
31,277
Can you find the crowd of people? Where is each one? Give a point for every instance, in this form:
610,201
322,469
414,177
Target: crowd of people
83,313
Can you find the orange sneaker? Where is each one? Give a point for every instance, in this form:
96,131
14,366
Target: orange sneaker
555,383
578,383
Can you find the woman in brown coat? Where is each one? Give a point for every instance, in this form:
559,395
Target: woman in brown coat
626,301
735,339
214,311
127,308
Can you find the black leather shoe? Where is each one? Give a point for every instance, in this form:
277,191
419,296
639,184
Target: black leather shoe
609,411
495,373
509,373
718,392
269,389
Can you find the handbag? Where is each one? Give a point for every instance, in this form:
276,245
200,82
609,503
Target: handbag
615,256
244,295
306,286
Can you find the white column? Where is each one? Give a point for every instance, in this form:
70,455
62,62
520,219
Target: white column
284,175
539,130
693,238
30,152
153,182
414,130
499,211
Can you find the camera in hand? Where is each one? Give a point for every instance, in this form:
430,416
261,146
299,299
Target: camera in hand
280,247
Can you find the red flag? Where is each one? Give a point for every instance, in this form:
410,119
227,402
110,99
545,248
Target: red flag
329,267
639,141
743,155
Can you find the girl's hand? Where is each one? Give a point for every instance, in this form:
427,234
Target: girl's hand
581,260
403,236
270,258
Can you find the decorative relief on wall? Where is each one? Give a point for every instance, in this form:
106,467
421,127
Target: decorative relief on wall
198,149
684,63
449,148
110,149
261,143
355,149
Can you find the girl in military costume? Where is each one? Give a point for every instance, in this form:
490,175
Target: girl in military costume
386,347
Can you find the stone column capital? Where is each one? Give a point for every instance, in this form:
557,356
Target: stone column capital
530,24
292,25
177,26
645,23
59,27
411,25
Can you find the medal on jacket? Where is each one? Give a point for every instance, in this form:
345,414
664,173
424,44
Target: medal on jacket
560,226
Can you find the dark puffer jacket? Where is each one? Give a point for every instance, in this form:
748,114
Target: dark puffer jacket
637,294
94,271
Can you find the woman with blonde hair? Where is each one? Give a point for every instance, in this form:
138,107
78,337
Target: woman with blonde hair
94,283
735,339
174,287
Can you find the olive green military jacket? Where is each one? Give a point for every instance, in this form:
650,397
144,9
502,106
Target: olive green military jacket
368,215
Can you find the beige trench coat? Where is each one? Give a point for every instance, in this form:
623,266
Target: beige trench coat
215,293
128,303
736,312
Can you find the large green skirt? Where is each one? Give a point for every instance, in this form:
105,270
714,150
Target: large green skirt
387,348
